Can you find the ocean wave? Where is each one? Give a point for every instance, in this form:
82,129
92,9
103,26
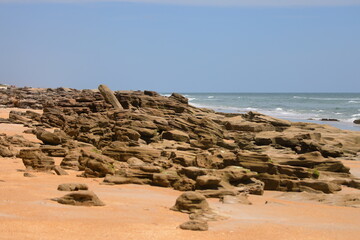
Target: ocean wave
210,97
191,98
356,115
165,94
350,100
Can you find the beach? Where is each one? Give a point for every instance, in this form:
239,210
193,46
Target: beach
141,211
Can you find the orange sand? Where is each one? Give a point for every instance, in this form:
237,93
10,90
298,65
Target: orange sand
142,212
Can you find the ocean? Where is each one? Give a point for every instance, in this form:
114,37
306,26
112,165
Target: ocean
305,107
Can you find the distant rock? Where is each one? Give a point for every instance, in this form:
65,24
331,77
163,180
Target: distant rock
72,187
329,119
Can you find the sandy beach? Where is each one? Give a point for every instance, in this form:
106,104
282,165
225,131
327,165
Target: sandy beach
142,212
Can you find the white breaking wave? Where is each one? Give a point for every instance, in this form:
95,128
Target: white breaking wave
210,96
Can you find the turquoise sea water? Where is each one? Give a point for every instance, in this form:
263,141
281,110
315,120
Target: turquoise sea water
293,106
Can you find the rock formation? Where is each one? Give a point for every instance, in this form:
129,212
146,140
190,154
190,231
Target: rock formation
164,141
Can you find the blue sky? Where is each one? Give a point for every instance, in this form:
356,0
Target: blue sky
186,46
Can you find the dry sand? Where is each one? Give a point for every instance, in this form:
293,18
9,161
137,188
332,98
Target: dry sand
142,212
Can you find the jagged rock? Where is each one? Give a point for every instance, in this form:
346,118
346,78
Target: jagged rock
72,187
191,202
195,225
35,159
80,198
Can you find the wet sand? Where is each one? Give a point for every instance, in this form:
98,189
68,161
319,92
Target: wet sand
142,212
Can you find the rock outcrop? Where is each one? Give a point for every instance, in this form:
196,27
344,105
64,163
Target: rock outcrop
164,141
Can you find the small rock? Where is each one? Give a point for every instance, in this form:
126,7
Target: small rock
80,198
195,225
27,174
72,187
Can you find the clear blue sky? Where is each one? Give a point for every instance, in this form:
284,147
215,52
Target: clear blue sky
180,47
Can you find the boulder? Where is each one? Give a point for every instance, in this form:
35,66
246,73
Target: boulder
110,97
80,198
48,137
190,202
35,159
357,121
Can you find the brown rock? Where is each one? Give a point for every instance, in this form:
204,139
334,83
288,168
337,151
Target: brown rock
110,97
190,202
95,165
195,225
176,135
72,187
80,198
36,160
59,171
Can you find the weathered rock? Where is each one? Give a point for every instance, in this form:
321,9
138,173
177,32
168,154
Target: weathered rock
80,198
48,137
72,187
95,165
357,121
53,151
195,225
59,171
207,182
35,159
110,97
5,152
190,202
176,135
135,162
125,180
71,160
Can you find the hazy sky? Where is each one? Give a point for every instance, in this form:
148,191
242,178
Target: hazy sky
185,46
